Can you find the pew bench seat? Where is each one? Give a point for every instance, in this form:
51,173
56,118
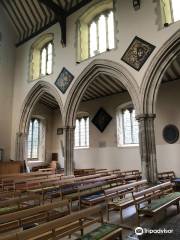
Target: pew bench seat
72,224
106,231
158,204
151,201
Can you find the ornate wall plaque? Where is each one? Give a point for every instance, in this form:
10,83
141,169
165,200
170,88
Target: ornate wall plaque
101,119
64,80
170,133
137,53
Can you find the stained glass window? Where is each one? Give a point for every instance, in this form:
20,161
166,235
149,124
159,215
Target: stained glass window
33,138
82,132
46,59
101,31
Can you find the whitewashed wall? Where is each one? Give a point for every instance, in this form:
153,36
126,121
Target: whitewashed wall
7,63
130,23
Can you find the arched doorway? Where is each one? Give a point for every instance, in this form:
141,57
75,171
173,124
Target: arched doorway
101,73
151,85
40,109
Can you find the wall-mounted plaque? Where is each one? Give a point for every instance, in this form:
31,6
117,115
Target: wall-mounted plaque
64,80
101,119
137,53
170,133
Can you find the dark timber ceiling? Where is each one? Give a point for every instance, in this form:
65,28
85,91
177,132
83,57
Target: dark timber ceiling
31,17
103,86
173,71
49,101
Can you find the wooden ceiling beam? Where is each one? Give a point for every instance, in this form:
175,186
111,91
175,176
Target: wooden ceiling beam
58,11
78,6
61,15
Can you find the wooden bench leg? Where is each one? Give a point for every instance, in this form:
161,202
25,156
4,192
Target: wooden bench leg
121,215
178,209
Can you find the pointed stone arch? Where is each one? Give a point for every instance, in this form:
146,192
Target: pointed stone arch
154,74
149,91
77,91
31,99
88,75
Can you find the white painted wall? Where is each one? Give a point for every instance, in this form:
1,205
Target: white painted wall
130,23
109,156
7,62
168,112
52,120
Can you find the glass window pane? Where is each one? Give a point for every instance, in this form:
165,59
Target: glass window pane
127,127
81,135
49,60
43,62
77,134
176,9
93,39
110,22
135,128
33,139
102,34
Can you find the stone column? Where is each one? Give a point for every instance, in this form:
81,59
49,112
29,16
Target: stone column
69,150
21,147
147,147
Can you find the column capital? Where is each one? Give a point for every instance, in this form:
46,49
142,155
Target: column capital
141,117
69,127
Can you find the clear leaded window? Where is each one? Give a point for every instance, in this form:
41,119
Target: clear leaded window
46,59
175,9
170,10
127,127
33,138
101,33
82,132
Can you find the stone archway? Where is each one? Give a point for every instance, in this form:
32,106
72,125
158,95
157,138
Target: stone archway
155,72
149,91
95,68
31,99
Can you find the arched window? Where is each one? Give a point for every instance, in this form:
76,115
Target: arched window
81,136
33,139
41,57
101,33
170,11
46,59
127,127
95,30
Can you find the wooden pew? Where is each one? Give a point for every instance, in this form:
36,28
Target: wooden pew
36,215
60,188
116,198
68,225
166,176
93,193
155,199
19,203
131,175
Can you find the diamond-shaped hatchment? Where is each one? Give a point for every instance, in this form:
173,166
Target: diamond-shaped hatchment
101,119
137,53
64,80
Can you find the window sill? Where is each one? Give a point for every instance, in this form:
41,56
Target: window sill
41,77
35,161
129,146
77,148
90,58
